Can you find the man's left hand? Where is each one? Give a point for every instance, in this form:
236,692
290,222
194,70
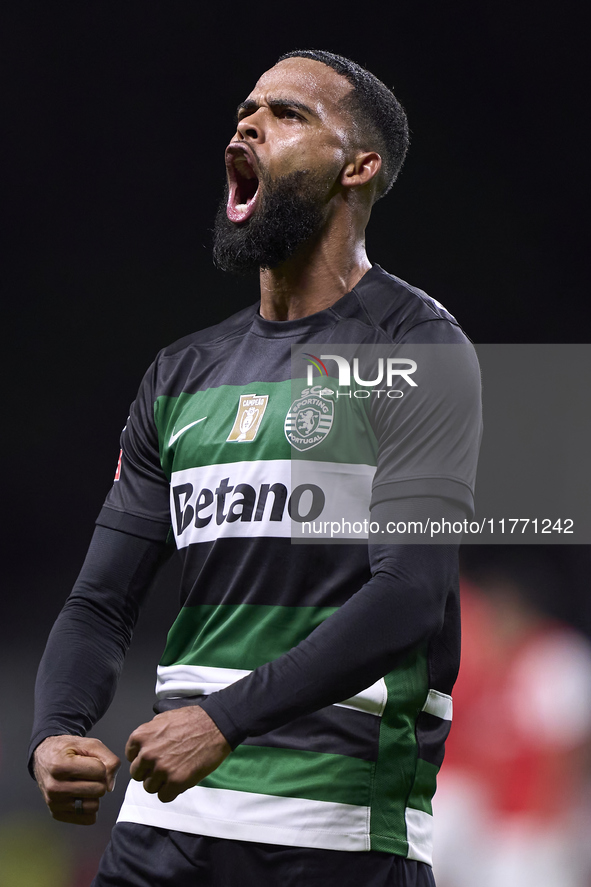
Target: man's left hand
175,751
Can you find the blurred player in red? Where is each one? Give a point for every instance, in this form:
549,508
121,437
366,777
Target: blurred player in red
511,805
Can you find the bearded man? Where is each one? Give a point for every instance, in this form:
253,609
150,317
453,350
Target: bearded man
303,697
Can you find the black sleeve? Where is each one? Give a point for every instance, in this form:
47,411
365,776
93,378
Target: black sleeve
138,502
429,437
84,655
402,605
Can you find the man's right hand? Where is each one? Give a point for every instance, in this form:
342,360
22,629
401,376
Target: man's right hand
68,768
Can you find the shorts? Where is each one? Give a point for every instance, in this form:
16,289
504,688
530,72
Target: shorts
144,856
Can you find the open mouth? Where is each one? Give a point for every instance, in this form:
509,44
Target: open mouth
243,183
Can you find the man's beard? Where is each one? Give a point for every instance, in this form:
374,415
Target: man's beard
290,212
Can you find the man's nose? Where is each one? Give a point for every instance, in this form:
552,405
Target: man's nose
251,127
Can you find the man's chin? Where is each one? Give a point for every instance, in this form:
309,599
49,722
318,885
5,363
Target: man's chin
288,215
231,250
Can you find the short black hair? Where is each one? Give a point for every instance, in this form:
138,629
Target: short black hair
374,108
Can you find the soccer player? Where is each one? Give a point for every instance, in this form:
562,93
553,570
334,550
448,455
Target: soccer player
303,697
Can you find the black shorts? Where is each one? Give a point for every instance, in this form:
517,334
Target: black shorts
143,856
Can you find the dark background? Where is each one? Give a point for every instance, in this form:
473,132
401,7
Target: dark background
116,117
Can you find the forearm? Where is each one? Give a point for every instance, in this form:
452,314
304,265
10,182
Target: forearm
402,606
84,655
78,673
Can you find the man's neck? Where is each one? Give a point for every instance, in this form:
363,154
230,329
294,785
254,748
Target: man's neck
313,280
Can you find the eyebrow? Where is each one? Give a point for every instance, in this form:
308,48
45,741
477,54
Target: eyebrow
250,105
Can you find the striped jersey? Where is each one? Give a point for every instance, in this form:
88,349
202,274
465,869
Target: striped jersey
264,448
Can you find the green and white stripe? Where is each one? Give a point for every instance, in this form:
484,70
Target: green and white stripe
253,816
181,680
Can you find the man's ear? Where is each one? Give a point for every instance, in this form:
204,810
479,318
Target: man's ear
362,170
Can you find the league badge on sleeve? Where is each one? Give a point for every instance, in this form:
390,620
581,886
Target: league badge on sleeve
309,418
118,471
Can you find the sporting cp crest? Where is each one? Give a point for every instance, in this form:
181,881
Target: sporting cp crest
309,419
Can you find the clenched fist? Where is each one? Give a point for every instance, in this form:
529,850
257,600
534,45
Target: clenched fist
175,751
73,773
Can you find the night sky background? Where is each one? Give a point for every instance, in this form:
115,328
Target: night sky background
116,117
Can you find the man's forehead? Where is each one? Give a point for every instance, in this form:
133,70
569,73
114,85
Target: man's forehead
306,80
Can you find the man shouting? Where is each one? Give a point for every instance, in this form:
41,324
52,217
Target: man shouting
303,698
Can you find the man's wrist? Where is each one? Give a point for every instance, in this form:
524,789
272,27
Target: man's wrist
212,705
38,739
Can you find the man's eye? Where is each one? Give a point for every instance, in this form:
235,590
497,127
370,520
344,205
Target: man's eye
291,114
